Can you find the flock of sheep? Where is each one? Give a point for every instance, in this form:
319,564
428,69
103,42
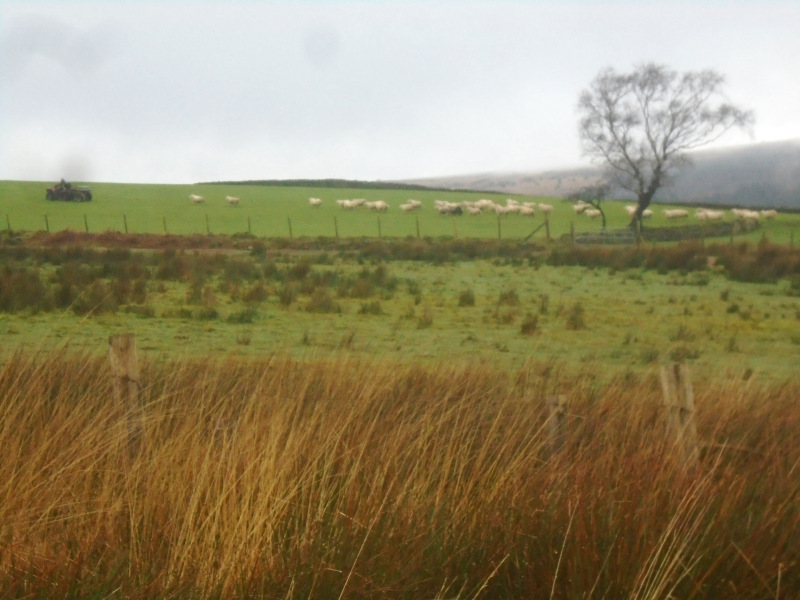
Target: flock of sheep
530,209
444,207
673,214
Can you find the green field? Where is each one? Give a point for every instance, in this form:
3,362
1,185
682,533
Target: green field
271,211
503,310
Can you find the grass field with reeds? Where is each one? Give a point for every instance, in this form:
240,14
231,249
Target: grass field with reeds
500,303
273,478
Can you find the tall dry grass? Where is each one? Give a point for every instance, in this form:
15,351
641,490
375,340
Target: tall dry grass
344,479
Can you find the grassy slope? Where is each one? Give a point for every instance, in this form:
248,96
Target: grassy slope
146,207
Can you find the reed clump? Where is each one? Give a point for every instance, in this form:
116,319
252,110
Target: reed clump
365,479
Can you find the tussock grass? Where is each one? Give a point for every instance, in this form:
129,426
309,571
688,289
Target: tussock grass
365,479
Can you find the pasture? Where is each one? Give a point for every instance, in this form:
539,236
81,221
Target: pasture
367,418
738,315
277,212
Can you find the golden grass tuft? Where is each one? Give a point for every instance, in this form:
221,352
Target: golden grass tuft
369,479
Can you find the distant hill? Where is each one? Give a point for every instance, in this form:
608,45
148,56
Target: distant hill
757,175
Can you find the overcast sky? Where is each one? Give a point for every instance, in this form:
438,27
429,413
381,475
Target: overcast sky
185,91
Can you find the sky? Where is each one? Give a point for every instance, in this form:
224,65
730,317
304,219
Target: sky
177,91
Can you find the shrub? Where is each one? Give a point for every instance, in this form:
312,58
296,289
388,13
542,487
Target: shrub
322,301
425,320
529,324
246,315
96,299
371,308
575,317
508,297
288,294
466,298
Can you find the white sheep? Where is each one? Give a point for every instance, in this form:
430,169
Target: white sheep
676,213
631,209
196,199
232,200
592,213
315,202
647,213
546,208
769,213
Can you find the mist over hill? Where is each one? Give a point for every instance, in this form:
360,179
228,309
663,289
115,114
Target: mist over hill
758,175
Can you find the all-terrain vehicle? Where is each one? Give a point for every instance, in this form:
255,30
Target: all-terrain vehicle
69,193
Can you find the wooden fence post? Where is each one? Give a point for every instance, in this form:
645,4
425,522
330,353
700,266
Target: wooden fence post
572,231
125,371
557,422
8,224
417,218
85,222
336,227
46,224
547,226
125,220
289,220
208,228
676,384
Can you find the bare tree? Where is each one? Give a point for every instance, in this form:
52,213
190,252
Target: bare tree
641,124
593,195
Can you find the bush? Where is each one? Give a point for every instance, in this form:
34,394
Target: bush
466,298
288,294
508,297
529,324
322,302
575,317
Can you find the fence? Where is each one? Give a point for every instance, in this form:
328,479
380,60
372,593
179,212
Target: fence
662,234
676,384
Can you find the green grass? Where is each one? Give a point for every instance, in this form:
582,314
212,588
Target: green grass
267,211
608,320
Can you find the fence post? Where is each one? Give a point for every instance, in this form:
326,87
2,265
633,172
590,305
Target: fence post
455,231
417,218
208,229
249,231
676,384
46,224
547,226
86,222
289,220
125,220
572,231
379,227
8,224
335,227
557,422
499,231
125,371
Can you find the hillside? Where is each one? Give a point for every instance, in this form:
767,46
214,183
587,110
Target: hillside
766,174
